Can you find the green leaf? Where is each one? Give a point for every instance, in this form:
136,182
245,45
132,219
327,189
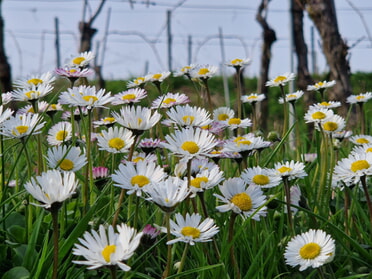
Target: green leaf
18,272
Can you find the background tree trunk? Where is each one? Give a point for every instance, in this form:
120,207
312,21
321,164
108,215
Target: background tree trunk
5,69
269,37
323,14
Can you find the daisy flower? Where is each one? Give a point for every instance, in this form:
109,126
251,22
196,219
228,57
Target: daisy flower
295,194
5,114
290,170
184,71
52,187
35,80
107,248
361,98
361,139
106,121
235,123
188,116
365,148
170,100
168,193
317,115
100,172
136,178
333,124
82,60
342,135
261,177
149,145
85,96
73,73
66,158
328,105
203,72
223,114
142,156
137,119
190,143
292,97
206,179
22,125
239,63
245,201
115,140
253,98
310,249
350,169
201,164
130,96
137,82
59,133
31,93
281,80
245,143
321,85
157,77
191,230
6,98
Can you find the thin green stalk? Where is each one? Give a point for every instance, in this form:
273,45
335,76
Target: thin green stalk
113,271
54,212
323,172
230,240
287,192
362,119
205,81
239,95
285,111
368,198
167,270
183,259
88,185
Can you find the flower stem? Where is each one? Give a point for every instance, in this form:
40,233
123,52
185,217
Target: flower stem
230,241
205,81
54,212
113,271
287,192
166,272
368,198
183,259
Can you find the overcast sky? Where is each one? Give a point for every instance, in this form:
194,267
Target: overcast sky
137,37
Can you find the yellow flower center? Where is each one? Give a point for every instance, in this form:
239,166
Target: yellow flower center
236,61
252,97
234,121
310,251
284,169
243,201
53,107
239,139
291,96
169,101
319,84
128,97
31,110
61,135
30,93
362,140
191,231
21,129
188,119
198,180
369,149
116,143
280,79
190,147
246,142
72,71
318,115
157,76
330,126
223,117
359,98
326,104
359,165
66,165
185,69
139,121
78,60
109,119
139,80
107,251
137,159
203,71
139,180
89,98
260,179
35,81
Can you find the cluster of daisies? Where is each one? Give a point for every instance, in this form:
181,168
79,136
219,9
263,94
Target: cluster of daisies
169,169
